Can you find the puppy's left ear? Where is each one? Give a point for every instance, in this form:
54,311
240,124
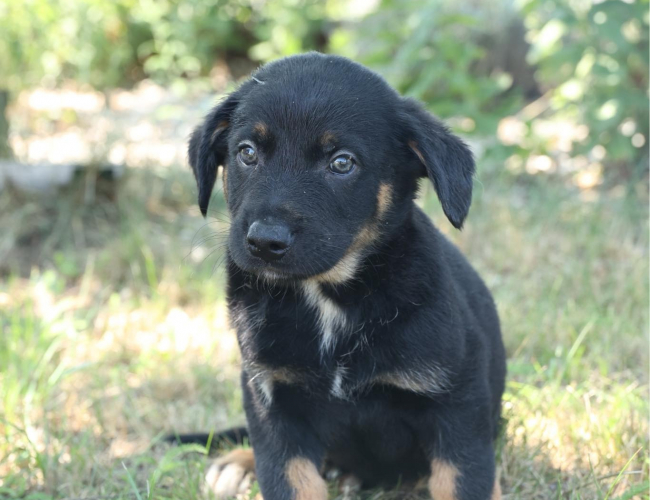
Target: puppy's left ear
443,157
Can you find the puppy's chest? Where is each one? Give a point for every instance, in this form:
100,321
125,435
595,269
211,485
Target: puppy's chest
303,340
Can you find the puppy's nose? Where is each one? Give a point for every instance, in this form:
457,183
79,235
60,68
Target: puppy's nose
268,241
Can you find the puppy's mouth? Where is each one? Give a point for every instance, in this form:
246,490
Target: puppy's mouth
273,276
276,272
304,257
290,269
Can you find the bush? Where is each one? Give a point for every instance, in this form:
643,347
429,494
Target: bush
593,65
108,44
473,62
442,53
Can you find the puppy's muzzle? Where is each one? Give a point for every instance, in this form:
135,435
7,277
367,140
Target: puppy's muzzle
269,241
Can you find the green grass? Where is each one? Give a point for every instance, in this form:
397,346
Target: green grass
113,332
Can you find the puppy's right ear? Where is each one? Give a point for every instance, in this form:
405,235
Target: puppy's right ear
208,147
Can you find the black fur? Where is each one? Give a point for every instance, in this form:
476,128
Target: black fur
417,371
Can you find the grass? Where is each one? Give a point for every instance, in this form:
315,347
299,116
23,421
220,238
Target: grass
114,332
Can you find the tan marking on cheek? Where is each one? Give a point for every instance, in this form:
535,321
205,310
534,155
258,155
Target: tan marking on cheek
442,484
414,146
346,267
220,128
224,181
496,492
367,236
384,199
305,480
342,271
261,129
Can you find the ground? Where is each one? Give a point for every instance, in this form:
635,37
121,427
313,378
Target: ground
114,333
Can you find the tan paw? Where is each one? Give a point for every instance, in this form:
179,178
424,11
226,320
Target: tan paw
232,474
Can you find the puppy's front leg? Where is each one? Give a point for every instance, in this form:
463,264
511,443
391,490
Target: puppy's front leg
288,454
462,456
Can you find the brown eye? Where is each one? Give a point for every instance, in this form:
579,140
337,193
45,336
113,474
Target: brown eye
248,155
342,164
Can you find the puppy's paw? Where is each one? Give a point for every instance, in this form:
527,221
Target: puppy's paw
231,475
349,486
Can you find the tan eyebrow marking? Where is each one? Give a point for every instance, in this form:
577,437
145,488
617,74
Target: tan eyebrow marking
327,138
261,129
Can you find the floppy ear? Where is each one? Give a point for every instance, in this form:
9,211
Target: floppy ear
444,158
208,147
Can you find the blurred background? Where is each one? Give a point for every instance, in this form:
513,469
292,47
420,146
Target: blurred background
112,322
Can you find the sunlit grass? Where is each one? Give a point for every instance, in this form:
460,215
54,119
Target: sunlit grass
114,332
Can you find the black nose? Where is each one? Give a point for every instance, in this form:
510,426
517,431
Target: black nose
268,241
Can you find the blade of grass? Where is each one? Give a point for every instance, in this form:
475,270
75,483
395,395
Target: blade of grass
134,487
620,474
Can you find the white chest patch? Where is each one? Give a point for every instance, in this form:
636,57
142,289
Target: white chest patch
337,383
331,318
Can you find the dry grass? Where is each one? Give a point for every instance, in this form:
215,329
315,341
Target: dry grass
114,332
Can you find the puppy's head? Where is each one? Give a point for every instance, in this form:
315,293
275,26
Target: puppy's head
321,160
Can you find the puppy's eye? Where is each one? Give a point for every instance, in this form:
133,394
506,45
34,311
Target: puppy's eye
342,164
247,154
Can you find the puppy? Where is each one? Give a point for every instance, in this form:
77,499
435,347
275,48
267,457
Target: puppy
368,341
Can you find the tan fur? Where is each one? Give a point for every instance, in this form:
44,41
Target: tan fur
442,484
496,492
261,129
220,128
263,379
327,138
231,474
433,380
344,270
414,146
224,181
346,267
282,375
384,199
305,480
241,456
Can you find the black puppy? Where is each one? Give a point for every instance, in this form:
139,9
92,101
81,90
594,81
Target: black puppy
368,341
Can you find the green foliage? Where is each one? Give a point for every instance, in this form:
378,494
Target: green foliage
471,62
115,43
593,62
434,51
